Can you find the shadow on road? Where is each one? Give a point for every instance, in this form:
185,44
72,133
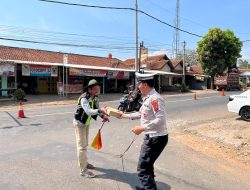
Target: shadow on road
129,178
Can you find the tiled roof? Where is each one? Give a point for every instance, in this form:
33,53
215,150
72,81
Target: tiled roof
92,60
156,62
157,65
176,62
34,55
129,62
197,69
23,54
157,57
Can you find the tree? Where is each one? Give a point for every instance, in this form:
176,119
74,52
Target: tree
243,63
218,50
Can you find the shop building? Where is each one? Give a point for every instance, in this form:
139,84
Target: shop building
245,76
196,79
160,65
50,72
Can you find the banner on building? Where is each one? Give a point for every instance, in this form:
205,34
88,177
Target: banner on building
39,70
200,78
7,69
118,75
144,54
87,72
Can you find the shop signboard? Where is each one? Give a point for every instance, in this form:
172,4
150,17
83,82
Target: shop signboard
7,69
118,75
39,70
87,72
200,78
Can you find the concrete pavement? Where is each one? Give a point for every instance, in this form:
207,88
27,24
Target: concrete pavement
52,100
40,153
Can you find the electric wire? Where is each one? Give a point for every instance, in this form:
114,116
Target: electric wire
121,8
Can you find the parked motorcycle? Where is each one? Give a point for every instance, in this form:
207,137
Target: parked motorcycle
130,102
29,89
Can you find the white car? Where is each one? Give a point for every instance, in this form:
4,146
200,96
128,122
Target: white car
240,104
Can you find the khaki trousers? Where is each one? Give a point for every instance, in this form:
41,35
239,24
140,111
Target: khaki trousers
82,135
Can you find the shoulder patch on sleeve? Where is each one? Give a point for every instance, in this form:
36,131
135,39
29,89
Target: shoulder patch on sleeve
155,105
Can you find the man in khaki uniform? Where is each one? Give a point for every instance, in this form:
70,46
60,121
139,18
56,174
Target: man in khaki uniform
87,108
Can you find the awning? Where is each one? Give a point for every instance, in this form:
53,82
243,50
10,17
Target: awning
199,75
245,74
162,72
68,65
97,68
33,62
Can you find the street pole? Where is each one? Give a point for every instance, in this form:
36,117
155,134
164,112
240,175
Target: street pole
136,36
63,79
183,66
139,61
65,61
67,84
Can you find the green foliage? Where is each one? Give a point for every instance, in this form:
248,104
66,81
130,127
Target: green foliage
177,85
184,88
243,85
218,50
19,94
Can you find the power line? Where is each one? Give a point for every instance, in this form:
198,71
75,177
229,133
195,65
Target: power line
74,45
121,8
62,36
53,32
169,11
65,44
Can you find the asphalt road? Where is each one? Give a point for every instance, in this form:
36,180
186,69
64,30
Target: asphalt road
39,152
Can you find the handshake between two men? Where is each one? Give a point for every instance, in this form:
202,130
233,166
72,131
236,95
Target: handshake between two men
108,111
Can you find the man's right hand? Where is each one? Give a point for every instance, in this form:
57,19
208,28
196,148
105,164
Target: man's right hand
123,115
103,110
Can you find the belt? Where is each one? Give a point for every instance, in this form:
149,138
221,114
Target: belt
156,134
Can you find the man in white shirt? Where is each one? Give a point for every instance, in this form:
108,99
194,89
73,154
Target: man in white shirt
153,123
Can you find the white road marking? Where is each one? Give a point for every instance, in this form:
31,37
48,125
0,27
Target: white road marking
192,99
48,114
62,113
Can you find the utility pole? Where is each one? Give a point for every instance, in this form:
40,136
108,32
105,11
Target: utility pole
139,61
184,47
176,40
65,61
136,36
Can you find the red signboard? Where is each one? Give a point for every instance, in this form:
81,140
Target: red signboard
87,72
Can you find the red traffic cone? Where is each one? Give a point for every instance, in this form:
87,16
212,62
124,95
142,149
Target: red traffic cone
223,92
194,97
20,111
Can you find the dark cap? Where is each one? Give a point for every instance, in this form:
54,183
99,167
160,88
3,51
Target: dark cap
92,83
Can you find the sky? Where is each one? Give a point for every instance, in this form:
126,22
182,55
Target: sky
98,32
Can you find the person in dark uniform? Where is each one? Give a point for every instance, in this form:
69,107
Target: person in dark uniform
87,108
152,116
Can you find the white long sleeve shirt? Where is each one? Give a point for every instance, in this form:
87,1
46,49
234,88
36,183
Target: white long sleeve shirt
85,103
152,115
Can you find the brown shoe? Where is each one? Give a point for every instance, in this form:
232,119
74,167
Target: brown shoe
88,174
90,166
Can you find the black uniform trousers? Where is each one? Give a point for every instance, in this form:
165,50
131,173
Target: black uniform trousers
150,151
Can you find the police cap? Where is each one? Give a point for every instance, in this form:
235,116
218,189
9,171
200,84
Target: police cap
141,77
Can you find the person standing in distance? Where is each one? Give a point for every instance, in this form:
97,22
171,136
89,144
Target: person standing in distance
152,116
87,108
